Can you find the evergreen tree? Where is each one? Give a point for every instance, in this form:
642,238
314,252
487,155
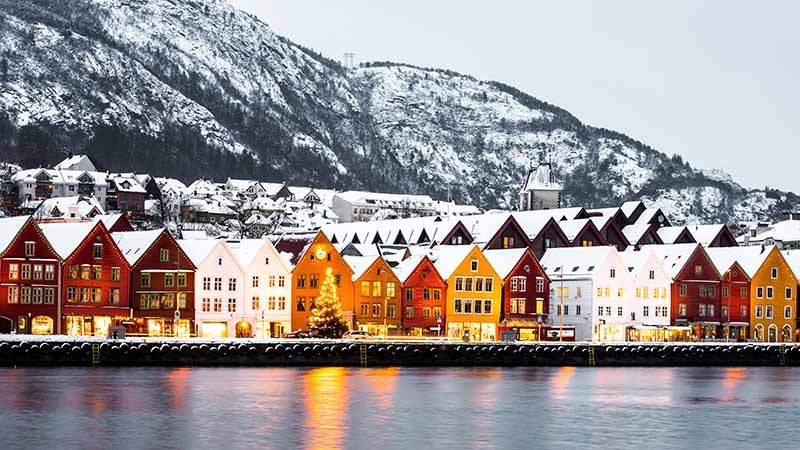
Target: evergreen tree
326,312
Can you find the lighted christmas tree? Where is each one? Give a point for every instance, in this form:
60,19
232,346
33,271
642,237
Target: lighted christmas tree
326,312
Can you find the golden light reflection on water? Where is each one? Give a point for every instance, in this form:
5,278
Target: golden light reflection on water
560,382
731,378
326,394
178,380
382,383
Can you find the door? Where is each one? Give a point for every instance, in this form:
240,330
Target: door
773,333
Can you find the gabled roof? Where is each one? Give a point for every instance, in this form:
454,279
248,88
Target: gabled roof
675,257
447,258
635,233
577,262
573,228
134,244
504,260
670,234
9,229
245,250
198,249
66,237
292,246
784,231
407,267
541,179
792,258
360,264
705,234
629,207
750,259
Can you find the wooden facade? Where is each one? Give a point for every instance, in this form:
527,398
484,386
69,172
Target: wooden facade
696,296
525,299
424,294
376,302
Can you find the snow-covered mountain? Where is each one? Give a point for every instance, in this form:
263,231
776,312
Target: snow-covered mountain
192,88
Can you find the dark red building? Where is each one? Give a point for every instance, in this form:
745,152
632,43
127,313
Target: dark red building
95,277
423,301
162,284
544,233
734,293
29,274
525,295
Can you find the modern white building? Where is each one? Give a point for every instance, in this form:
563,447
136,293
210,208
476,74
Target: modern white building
361,206
220,308
650,296
589,289
267,289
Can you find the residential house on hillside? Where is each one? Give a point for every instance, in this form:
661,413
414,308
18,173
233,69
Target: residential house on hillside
785,235
75,207
361,206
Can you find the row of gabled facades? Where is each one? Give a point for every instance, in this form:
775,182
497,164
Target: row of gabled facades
558,274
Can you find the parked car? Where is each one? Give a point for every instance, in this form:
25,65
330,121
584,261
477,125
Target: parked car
357,335
298,334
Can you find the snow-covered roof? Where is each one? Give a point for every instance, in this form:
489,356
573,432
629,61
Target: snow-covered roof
483,227
170,185
65,237
648,215
577,262
447,258
604,212
749,258
245,250
504,260
601,221
784,231
9,228
629,207
541,179
672,257
793,259
635,260
531,224
85,205
571,228
386,200
76,162
634,233
128,184
198,249
133,244
705,234
669,234
360,264
407,266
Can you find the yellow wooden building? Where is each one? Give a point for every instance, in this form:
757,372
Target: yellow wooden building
773,299
474,291
376,295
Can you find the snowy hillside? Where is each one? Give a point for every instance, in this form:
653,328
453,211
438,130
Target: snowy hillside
192,88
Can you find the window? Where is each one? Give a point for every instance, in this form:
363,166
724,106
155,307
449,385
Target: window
698,269
97,251
282,303
376,288
613,273
577,310
231,305
71,295
701,310
760,292
85,272
788,293
508,241
468,284
30,248
113,296
459,284
607,292
50,296
426,293
743,292
743,311
409,294
49,272
578,293
638,292
365,309
390,290
73,272
710,310
437,312
487,284
255,303
473,265
144,280
313,281
206,283
182,300
376,310
231,284
282,280
163,255
365,285
467,306
514,286
13,272
599,310
181,279
608,310
169,280
523,284
391,311
599,292
217,305
652,275
539,284
115,274
457,305
487,306
682,309
437,294
768,312
566,310
759,312
787,312
337,278
26,271
770,292
619,311
723,311
219,261
724,292
271,303
272,281
25,298
621,292
426,312
301,281
301,304
206,305
409,312
266,261
712,291
37,271
703,290
37,296
773,273
168,301
255,281
646,311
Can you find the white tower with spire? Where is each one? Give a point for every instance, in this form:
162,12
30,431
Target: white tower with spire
540,191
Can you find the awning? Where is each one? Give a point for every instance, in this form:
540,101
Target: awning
737,324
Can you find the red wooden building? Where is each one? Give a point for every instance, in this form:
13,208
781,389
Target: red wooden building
423,297
734,291
696,288
29,279
525,295
162,284
94,276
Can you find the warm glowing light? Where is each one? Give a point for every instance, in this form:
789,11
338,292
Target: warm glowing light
326,393
320,253
214,330
560,382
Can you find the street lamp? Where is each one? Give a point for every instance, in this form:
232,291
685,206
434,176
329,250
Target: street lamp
439,325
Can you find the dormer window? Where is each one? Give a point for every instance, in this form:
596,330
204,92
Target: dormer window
219,261
97,251
698,269
613,273
473,265
30,248
774,273
163,255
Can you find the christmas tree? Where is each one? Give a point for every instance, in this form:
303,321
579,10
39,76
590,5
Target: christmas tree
326,312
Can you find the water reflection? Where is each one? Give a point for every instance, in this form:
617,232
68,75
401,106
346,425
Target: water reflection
396,408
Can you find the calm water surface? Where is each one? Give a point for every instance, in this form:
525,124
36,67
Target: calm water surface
409,409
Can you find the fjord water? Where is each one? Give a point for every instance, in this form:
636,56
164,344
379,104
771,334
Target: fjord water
399,408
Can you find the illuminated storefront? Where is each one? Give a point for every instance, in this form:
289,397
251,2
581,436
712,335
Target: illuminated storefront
90,325
42,325
476,331
214,330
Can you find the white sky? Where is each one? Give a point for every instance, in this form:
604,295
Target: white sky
713,80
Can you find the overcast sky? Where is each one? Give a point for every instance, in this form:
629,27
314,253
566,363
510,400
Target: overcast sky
714,81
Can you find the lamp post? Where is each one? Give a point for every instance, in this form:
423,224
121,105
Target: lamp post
438,325
539,324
